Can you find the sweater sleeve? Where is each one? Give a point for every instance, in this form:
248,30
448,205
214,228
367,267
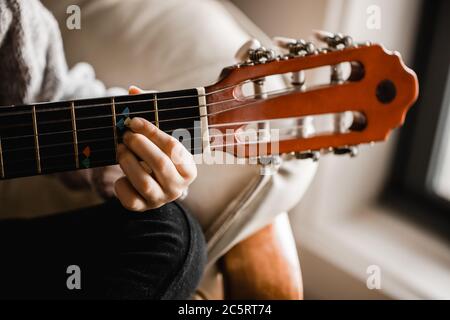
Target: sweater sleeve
33,67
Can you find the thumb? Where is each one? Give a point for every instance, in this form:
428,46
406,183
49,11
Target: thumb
134,90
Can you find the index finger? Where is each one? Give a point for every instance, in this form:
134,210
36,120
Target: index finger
160,138
180,156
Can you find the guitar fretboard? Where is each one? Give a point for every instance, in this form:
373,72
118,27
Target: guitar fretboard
62,136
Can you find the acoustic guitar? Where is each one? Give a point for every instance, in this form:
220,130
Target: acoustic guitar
368,85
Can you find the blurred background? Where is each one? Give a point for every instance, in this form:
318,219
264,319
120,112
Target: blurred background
388,209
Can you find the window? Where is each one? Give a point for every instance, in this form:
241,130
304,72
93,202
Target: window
439,178
421,171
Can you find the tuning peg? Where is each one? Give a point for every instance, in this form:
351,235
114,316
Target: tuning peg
243,53
352,151
271,160
333,40
253,52
295,47
313,155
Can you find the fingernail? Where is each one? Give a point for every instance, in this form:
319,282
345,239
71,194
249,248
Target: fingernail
134,90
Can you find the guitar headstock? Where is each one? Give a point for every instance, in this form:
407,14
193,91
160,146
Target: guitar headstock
372,99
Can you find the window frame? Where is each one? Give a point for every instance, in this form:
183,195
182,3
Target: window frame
409,178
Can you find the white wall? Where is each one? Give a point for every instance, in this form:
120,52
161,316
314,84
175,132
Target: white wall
289,18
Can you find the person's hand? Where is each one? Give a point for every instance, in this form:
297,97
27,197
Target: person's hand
99,179
157,167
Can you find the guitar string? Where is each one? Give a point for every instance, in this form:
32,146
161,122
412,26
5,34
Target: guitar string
119,102
193,148
212,126
273,92
171,120
79,130
105,139
109,139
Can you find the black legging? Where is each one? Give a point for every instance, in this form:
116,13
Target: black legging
159,254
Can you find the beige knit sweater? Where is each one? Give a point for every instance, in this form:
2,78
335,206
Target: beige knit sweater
33,68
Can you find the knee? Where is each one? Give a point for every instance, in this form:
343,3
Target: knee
174,245
189,250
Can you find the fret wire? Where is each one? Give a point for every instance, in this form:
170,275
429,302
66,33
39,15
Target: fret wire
113,112
74,134
155,107
2,169
36,141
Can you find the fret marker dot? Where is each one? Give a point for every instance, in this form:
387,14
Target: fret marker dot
86,163
87,152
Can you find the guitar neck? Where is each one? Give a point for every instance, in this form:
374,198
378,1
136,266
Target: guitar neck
69,135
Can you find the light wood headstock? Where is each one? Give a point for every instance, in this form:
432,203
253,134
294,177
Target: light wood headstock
378,92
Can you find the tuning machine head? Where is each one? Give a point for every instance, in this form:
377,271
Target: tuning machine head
334,40
295,47
252,52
